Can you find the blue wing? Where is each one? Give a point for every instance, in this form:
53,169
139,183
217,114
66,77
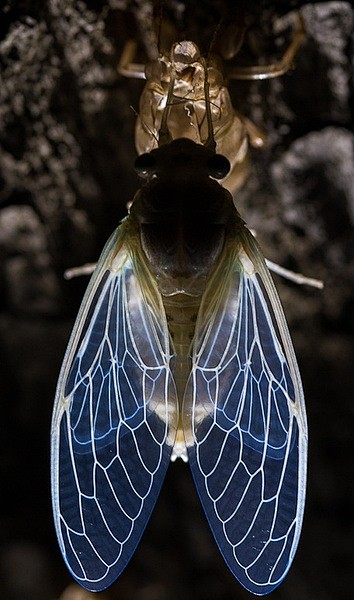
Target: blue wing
114,420
245,422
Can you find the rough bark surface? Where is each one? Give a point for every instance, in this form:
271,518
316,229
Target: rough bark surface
66,175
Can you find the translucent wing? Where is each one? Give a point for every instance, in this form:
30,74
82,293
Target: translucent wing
245,422
114,419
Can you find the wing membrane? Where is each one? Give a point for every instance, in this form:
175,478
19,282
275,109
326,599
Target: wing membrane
114,420
245,422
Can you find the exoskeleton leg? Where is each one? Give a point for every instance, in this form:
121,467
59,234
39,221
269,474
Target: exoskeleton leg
259,72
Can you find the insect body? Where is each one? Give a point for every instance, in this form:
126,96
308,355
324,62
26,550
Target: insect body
176,90
181,349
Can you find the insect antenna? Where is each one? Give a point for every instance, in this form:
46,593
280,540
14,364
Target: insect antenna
210,142
214,39
159,28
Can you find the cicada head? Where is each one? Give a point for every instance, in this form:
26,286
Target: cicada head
182,160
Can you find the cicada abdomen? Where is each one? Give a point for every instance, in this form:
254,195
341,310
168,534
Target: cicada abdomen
181,349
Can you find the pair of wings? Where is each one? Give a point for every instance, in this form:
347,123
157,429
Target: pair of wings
116,415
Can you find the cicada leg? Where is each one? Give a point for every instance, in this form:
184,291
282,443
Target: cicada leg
256,135
126,66
259,72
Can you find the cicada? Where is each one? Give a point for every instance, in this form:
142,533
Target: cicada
180,349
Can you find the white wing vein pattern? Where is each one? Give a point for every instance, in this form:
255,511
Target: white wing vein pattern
246,429
113,424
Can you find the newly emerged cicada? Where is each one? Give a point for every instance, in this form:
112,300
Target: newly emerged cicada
181,349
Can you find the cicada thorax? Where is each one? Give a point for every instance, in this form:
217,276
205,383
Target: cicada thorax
181,84
183,215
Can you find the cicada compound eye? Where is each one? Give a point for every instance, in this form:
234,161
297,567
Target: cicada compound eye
218,166
145,165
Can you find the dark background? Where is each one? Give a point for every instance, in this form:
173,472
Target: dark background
66,174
